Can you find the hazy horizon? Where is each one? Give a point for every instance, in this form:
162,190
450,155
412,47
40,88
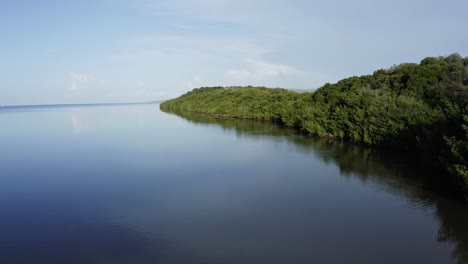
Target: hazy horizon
117,51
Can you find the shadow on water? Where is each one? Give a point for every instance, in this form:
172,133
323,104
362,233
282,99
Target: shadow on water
45,230
396,174
53,232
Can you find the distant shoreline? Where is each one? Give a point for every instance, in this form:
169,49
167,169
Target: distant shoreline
73,105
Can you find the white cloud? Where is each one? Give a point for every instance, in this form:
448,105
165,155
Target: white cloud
271,69
257,71
79,81
179,62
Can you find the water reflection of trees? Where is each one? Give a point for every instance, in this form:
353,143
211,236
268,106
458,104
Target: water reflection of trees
394,173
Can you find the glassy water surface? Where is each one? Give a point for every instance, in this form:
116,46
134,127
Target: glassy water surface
131,184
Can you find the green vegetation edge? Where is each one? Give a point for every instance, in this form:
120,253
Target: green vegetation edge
422,108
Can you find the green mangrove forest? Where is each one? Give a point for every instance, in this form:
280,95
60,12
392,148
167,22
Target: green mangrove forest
416,108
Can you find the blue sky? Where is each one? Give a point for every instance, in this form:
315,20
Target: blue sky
92,51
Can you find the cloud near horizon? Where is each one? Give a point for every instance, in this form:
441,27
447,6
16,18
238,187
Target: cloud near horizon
78,81
258,71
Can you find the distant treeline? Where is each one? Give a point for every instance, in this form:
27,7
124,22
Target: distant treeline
414,107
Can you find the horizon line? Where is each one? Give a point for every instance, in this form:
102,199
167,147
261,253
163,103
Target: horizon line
78,104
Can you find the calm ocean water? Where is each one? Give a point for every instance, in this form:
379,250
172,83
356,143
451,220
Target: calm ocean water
131,184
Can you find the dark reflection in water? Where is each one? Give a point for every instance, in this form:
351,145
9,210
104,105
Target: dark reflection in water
48,229
129,184
392,173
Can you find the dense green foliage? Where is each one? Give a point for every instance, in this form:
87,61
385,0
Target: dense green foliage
249,102
415,107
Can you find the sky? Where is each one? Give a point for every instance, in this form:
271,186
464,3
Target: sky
95,51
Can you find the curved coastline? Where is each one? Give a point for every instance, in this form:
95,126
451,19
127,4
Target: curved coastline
416,108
